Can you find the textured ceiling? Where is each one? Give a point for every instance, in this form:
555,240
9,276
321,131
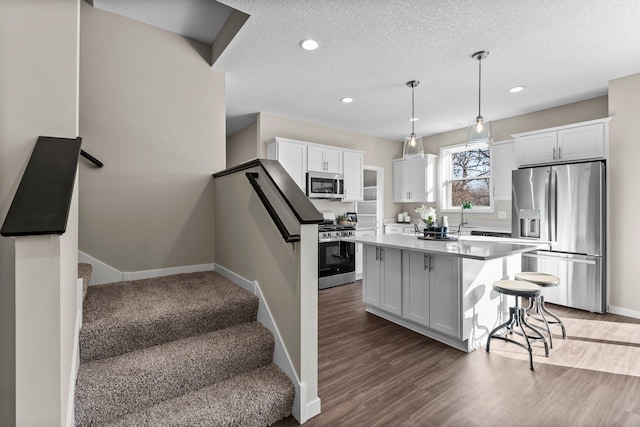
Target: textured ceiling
562,51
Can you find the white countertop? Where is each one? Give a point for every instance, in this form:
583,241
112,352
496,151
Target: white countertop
468,247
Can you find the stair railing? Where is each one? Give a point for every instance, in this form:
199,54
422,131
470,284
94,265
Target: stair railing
92,159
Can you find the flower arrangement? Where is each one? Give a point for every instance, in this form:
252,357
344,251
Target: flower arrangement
428,215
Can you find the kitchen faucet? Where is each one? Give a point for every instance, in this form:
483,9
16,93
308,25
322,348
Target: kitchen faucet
463,221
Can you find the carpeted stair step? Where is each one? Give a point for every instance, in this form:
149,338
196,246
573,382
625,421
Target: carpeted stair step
257,398
114,386
84,273
127,316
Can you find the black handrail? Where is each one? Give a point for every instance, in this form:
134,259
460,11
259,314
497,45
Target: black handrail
42,201
92,159
288,237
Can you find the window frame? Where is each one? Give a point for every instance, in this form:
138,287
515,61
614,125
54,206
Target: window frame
446,177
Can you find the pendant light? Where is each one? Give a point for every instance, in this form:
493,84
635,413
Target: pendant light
480,129
413,144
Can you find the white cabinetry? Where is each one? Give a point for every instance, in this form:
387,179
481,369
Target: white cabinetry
580,141
359,251
503,161
292,155
415,287
444,295
414,179
382,275
399,229
353,176
323,159
431,291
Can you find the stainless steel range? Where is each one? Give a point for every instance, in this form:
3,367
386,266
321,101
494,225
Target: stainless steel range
336,257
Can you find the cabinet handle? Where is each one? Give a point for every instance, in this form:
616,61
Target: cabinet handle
559,153
381,253
554,153
425,261
430,263
377,252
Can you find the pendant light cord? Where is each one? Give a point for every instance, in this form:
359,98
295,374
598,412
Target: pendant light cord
413,115
479,84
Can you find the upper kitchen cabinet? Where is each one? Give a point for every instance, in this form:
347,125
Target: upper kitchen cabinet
579,141
353,176
414,179
503,161
324,159
292,155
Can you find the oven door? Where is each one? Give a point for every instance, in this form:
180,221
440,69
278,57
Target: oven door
336,263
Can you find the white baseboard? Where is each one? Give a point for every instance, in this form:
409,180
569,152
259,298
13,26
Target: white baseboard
101,273
104,273
149,274
624,311
281,358
75,358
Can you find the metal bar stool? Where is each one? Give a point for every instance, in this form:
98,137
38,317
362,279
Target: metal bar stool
537,304
517,316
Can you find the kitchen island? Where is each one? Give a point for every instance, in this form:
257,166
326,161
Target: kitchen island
440,288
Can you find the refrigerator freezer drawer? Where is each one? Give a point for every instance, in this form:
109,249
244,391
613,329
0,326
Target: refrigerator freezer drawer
581,278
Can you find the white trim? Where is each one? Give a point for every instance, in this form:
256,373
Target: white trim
101,273
104,273
161,272
624,311
75,358
281,358
604,120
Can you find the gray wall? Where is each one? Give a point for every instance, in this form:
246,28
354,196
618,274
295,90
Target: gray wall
624,151
38,83
152,109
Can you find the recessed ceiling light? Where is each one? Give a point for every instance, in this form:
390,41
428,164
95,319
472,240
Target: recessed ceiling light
309,44
346,100
517,89
413,119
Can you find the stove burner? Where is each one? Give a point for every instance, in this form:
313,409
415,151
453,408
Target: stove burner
335,227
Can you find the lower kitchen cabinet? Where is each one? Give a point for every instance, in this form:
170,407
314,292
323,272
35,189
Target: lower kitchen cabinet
382,275
431,291
444,295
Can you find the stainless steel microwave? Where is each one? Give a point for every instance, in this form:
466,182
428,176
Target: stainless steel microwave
322,185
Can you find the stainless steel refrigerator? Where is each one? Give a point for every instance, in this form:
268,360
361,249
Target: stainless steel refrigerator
565,204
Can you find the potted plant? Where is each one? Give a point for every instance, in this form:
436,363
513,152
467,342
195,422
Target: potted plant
342,220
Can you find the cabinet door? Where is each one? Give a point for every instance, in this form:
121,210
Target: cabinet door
503,161
417,179
444,302
352,177
391,295
583,142
292,157
401,181
360,250
538,148
333,160
371,279
415,287
315,159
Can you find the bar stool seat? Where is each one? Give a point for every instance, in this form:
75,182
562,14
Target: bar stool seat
537,304
517,316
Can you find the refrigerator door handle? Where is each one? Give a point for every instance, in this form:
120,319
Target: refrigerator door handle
553,205
590,260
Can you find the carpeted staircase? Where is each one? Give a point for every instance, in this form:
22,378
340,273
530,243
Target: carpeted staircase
183,350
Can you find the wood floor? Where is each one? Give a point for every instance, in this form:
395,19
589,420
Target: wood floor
375,373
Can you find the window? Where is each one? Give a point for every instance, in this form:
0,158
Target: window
466,176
